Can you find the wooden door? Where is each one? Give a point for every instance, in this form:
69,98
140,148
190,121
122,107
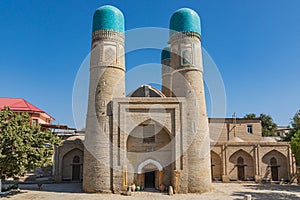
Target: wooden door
76,173
150,179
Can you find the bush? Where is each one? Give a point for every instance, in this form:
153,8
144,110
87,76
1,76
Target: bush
10,187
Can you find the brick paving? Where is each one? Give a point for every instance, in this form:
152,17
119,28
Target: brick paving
235,191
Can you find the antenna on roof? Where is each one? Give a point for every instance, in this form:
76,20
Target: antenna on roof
234,122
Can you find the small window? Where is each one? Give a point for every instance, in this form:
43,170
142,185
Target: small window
249,129
34,122
278,133
76,159
273,161
149,133
240,161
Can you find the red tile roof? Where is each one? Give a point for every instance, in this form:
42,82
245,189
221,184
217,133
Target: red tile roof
19,104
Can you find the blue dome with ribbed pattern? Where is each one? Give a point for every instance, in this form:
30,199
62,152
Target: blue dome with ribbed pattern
185,20
165,53
108,18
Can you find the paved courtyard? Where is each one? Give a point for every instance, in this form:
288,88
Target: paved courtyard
68,191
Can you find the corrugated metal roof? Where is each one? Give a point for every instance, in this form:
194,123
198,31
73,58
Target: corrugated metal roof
19,104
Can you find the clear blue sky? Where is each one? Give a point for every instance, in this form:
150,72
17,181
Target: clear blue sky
255,44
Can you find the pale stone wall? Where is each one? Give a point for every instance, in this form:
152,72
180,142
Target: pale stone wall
64,157
222,130
132,112
216,166
166,78
248,162
67,163
135,144
107,81
256,157
135,141
281,162
187,81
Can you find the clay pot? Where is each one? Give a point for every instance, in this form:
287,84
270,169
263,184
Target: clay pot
162,187
138,188
133,187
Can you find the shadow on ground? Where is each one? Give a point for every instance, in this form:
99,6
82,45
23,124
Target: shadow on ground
268,191
11,194
61,187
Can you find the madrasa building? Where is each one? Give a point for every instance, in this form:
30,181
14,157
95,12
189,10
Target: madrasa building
152,137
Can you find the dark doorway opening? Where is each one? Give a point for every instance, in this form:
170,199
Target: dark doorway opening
241,173
241,169
76,169
150,179
76,172
274,169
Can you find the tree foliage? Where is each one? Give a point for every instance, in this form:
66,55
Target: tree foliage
250,116
295,144
268,126
295,126
23,146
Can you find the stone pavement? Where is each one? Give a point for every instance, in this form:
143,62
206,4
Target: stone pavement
235,191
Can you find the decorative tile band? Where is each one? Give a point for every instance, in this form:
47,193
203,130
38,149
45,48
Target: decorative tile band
184,35
108,35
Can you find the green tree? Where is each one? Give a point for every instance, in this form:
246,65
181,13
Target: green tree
23,146
268,126
250,116
295,126
295,144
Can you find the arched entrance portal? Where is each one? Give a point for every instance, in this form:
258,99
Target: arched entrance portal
241,165
72,165
150,173
275,166
150,179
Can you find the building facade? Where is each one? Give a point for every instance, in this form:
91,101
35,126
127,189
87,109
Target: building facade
153,137
19,105
142,139
239,152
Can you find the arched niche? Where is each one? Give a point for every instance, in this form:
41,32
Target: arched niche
72,165
275,165
148,136
216,166
241,165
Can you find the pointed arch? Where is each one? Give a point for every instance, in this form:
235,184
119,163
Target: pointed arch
241,165
240,160
145,134
146,91
275,165
273,161
141,122
240,153
216,166
273,153
72,165
73,151
147,162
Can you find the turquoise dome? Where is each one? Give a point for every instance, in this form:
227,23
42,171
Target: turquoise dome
185,20
165,53
108,18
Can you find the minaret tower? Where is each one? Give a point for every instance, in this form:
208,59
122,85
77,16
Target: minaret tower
187,81
166,72
107,81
